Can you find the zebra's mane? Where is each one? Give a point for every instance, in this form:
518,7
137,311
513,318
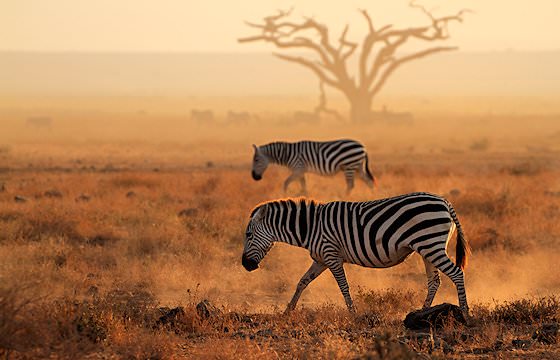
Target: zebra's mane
276,143
267,149
302,201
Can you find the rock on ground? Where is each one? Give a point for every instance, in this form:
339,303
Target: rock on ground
206,310
434,317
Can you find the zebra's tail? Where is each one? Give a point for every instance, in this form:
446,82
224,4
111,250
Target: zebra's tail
368,172
463,250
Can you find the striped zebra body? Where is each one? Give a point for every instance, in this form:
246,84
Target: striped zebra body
323,158
376,234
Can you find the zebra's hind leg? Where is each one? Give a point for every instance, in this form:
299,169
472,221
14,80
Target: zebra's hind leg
366,177
314,271
432,274
443,263
456,275
349,175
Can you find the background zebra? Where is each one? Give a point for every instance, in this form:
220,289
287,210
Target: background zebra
324,158
377,234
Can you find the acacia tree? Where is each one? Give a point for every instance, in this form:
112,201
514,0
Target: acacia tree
377,52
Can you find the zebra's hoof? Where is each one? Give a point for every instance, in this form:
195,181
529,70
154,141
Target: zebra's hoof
289,310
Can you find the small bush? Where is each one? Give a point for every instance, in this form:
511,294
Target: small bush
531,168
388,348
387,304
480,145
102,239
488,204
5,149
527,311
140,343
209,186
8,216
13,306
40,226
129,181
132,304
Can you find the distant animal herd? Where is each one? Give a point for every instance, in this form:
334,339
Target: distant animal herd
207,117
377,234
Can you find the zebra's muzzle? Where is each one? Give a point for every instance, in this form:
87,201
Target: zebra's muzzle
249,264
256,176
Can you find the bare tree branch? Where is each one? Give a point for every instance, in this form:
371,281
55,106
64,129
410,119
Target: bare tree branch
253,38
322,106
368,20
396,63
437,30
384,56
367,45
298,42
345,43
413,4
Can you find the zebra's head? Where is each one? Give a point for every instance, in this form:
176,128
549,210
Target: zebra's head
260,162
258,239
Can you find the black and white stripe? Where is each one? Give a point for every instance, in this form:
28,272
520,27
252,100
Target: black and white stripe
324,158
376,234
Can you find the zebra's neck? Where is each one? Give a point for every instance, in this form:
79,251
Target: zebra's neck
276,152
294,221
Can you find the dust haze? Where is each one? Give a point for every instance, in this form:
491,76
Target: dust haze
499,169
132,171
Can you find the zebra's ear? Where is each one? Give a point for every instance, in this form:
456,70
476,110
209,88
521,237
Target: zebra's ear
256,148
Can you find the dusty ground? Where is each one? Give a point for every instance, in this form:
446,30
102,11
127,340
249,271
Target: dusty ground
110,231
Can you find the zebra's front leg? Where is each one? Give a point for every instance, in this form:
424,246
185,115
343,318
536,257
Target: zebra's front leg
303,185
314,271
337,270
290,178
294,176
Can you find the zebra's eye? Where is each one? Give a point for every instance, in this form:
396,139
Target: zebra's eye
248,233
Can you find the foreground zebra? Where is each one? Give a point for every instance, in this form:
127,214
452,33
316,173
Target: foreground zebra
377,234
324,158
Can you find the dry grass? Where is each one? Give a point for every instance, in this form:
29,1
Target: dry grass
140,227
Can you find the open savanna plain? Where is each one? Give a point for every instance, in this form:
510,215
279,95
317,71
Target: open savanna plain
113,228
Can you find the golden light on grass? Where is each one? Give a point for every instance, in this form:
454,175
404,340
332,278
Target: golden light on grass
141,225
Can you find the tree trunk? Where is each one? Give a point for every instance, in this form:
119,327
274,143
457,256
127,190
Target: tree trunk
360,108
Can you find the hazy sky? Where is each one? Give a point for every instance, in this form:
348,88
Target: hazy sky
213,25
